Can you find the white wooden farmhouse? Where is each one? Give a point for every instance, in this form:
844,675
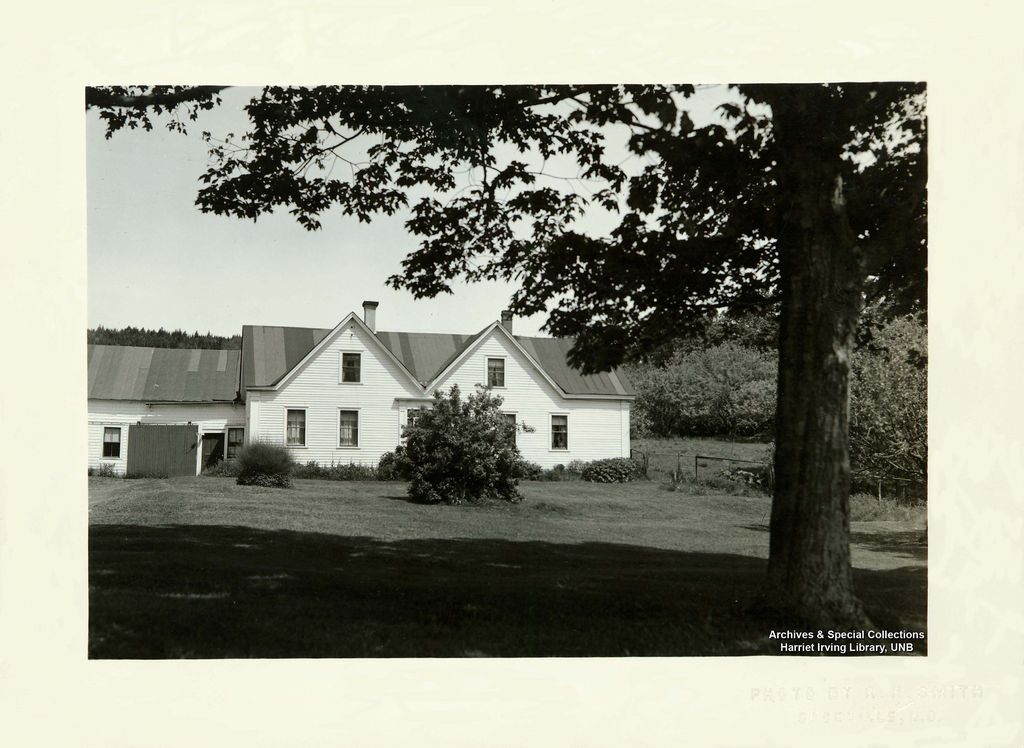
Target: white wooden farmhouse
340,395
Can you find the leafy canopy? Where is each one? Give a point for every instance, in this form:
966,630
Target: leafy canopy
889,402
695,230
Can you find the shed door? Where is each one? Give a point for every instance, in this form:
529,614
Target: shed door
162,451
213,449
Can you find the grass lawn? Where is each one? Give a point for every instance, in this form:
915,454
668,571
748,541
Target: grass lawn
202,567
666,455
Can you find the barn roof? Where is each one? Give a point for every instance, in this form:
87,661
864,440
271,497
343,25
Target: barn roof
268,353
121,372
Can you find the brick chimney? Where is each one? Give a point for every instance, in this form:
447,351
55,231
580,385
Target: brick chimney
370,314
506,320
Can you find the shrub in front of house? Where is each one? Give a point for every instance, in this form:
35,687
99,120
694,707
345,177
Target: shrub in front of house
262,464
223,469
576,467
335,471
531,471
103,471
460,451
612,470
394,465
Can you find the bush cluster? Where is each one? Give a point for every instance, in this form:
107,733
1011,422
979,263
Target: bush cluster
758,476
867,508
394,465
105,470
223,469
262,464
334,471
459,451
533,471
613,470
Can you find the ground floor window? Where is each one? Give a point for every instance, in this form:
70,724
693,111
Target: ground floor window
348,428
510,419
235,438
559,432
112,441
296,428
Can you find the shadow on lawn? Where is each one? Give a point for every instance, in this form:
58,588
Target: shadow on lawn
902,543
214,591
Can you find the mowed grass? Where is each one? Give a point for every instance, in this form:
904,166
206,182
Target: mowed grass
202,567
666,455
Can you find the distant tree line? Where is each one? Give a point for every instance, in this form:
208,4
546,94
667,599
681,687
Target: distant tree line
716,380
722,379
162,338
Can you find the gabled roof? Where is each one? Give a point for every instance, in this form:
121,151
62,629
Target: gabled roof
269,353
553,356
120,372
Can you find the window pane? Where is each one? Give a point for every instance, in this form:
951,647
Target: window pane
234,442
350,367
111,442
296,435
348,431
559,432
510,419
495,372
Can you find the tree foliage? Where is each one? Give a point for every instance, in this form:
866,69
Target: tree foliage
460,451
698,225
722,390
889,403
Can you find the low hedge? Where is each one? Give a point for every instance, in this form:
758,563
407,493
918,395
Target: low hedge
612,470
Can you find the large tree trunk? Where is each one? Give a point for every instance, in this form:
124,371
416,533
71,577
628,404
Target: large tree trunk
809,571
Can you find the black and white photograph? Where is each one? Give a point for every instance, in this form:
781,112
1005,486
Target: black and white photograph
507,370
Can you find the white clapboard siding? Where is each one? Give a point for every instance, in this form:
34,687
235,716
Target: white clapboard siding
597,428
209,417
378,397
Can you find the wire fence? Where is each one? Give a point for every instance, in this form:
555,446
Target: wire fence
762,473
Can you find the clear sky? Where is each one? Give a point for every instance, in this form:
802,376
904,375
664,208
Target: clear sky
156,261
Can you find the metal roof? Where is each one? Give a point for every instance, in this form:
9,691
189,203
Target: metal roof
553,356
268,353
121,372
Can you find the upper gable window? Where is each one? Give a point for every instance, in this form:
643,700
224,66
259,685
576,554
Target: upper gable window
495,372
351,367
